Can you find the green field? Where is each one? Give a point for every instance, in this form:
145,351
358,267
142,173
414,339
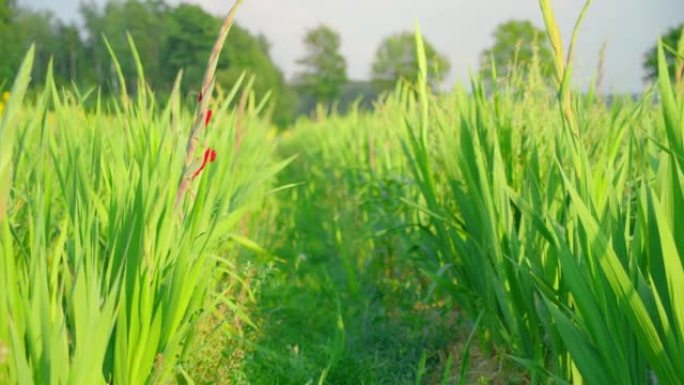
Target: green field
504,232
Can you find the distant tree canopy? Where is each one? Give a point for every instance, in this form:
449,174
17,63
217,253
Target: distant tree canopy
8,44
674,40
180,38
324,72
168,39
6,9
246,52
516,44
396,59
53,39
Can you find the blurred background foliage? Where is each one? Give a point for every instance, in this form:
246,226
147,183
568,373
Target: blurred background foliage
173,38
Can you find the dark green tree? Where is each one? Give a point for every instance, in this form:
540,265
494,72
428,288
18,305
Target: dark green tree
6,9
250,54
191,34
39,28
8,41
54,40
674,40
145,21
45,31
70,60
324,69
396,58
516,44
168,39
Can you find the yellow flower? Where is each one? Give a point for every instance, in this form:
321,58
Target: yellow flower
2,107
5,96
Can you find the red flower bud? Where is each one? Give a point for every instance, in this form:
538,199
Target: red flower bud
209,157
207,117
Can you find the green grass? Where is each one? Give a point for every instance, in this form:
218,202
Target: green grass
526,233
103,274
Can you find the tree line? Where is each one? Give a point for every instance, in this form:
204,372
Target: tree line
168,39
174,38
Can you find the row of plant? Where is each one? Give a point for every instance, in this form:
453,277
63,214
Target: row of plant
118,224
547,215
556,220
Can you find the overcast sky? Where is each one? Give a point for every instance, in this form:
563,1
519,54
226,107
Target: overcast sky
460,29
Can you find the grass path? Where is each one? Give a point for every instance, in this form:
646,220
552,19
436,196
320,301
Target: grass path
339,309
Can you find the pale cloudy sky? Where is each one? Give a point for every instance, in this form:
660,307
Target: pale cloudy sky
460,29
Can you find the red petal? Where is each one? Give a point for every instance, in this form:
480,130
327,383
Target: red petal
207,117
207,154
